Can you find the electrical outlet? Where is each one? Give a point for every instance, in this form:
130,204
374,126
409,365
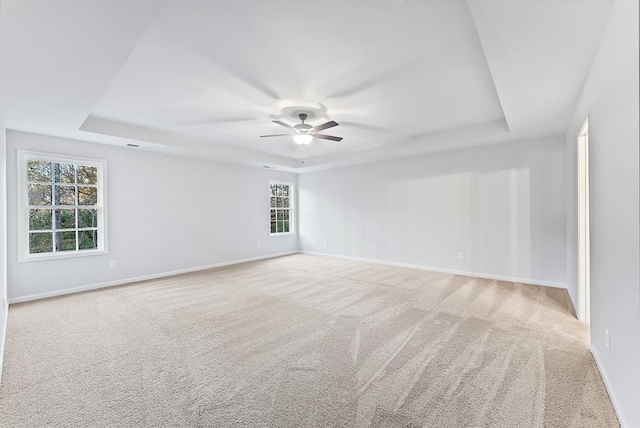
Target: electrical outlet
113,264
460,256
606,337
259,244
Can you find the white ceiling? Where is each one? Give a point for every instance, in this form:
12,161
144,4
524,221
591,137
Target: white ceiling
206,78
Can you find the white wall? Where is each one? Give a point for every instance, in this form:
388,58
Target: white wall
165,214
502,205
3,238
610,99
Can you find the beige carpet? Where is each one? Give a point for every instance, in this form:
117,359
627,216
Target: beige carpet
303,341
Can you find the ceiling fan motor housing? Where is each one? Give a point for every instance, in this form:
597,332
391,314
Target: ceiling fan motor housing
303,127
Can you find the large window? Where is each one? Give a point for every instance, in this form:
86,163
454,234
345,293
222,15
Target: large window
281,208
62,209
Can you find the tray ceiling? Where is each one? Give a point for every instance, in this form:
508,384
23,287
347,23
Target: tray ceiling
206,78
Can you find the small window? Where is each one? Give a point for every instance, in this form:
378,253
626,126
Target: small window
281,208
62,209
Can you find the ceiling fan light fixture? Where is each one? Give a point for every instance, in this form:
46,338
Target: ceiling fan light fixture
302,139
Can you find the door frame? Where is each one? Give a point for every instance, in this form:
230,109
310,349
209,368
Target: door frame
584,223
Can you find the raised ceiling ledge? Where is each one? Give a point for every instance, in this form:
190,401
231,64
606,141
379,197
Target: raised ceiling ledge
483,133
185,145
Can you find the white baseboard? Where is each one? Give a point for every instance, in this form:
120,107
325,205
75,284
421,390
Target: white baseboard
38,296
4,338
607,384
451,271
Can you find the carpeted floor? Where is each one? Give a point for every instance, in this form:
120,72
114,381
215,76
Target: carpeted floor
303,341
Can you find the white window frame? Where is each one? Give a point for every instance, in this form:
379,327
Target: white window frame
292,206
23,205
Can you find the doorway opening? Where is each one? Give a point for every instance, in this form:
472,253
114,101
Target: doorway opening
584,277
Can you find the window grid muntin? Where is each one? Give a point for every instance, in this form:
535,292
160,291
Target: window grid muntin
98,207
278,192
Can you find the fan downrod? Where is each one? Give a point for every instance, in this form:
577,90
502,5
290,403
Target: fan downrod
303,117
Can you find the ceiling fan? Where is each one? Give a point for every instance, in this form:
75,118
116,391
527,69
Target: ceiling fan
303,133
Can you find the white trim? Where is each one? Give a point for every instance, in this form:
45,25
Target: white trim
4,338
612,395
23,206
139,278
61,255
583,222
292,208
451,271
269,256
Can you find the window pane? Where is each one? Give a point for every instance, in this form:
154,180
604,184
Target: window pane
88,239
40,243
38,170
87,218
64,172
87,195
39,219
65,241
65,195
56,192
39,194
87,174
65,219
280,204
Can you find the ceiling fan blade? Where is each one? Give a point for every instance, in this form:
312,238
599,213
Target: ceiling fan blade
276,135
327,137
286,125
325,126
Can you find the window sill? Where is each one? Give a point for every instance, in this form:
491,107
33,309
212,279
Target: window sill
55,256
274,235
